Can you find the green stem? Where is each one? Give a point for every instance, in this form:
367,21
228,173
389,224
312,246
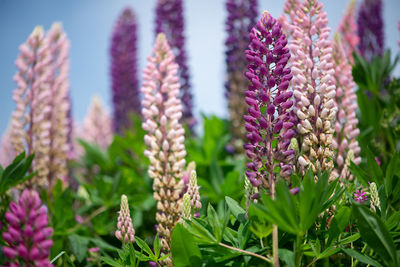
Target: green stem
297,253
267,259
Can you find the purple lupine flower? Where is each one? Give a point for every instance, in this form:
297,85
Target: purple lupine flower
370,29
242,16
360,196
170,21
125,85
269,118
28,236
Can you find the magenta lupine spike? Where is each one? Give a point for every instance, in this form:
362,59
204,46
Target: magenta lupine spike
125,83
125,231
7,151
97,125
242,16
313,86
59,104
29,123
346,121
360,196
162,111
370,29
170,21
28,235
348,31
269,116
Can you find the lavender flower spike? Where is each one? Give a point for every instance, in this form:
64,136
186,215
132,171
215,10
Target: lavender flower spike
313,86
346,121
28,236
370,29
242,16
29,124
125,231
125,84
161,111
269,116
170,21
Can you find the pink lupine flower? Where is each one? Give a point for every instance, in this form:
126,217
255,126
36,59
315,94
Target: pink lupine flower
346,121
313,85
125,231
30,126
7,151
97,127
360,196
289,8
58,103
28,236
348,31
162,111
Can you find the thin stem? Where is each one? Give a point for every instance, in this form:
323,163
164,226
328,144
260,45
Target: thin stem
275,245
89,218
267,259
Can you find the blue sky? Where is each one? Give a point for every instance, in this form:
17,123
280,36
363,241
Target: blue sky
89,25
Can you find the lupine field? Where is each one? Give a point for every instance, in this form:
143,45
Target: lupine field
305,171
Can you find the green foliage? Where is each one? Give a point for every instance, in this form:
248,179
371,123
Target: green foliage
379,103
15,173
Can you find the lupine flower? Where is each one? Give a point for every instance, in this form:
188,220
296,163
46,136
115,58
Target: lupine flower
186,177
161,111
313,86
242,16
193,191
370,29
28,236
346,120
348,31
360,196
125,231
378,161
59,104
186,207
170,21
7,151
29,125
289,8
125,84
269,116
375,202
97,128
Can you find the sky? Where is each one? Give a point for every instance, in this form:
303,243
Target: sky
89,25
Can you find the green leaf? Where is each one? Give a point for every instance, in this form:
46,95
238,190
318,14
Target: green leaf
143,245
361,257
111,262
339,222
214,222
157,246
237,211
200,232
78,246
287,257
185,251
375,234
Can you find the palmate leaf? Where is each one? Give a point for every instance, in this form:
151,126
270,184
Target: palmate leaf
375,234
15,173
185,252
